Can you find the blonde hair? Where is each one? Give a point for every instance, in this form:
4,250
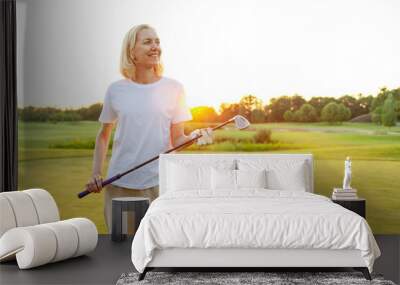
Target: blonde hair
127,66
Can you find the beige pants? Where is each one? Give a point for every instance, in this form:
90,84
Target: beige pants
128,218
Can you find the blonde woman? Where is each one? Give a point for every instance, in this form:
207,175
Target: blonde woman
148,111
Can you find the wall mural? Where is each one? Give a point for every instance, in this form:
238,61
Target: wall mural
320,84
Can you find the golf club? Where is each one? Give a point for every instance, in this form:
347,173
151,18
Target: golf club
240,123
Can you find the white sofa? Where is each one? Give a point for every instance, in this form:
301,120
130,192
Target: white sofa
31,231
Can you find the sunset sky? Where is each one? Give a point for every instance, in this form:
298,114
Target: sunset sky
219,49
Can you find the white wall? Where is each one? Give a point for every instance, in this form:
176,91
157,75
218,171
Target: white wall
68,49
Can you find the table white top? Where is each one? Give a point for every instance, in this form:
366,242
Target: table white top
130,199
350,199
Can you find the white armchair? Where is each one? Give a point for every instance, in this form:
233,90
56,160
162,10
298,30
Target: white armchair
31,230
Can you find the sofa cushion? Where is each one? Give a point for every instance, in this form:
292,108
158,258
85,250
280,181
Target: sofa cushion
26,208
7,220
45,205
67,240
23,208
30,230
32,246
40,244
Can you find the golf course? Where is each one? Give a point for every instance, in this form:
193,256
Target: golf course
58,157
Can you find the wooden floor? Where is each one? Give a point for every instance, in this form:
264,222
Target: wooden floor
111,259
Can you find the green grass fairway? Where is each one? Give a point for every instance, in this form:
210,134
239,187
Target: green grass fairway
64,178
375,152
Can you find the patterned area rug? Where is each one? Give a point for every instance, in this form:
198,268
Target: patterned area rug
269,278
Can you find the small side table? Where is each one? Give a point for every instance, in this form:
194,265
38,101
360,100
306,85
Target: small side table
355,205
137,204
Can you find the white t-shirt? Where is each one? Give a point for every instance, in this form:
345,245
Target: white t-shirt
144,114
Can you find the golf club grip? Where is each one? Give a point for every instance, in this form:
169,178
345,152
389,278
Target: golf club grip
83,194
104,183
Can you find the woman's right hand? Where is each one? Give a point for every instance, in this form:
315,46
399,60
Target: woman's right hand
95,183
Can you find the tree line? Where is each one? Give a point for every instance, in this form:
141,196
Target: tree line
50,114
384,108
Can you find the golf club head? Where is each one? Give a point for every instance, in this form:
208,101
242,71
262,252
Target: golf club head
241,122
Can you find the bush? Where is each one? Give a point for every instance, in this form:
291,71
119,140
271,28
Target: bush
345,113
262,136
389,115
288,116
231,139
334,112
376,115
306,113
257,116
